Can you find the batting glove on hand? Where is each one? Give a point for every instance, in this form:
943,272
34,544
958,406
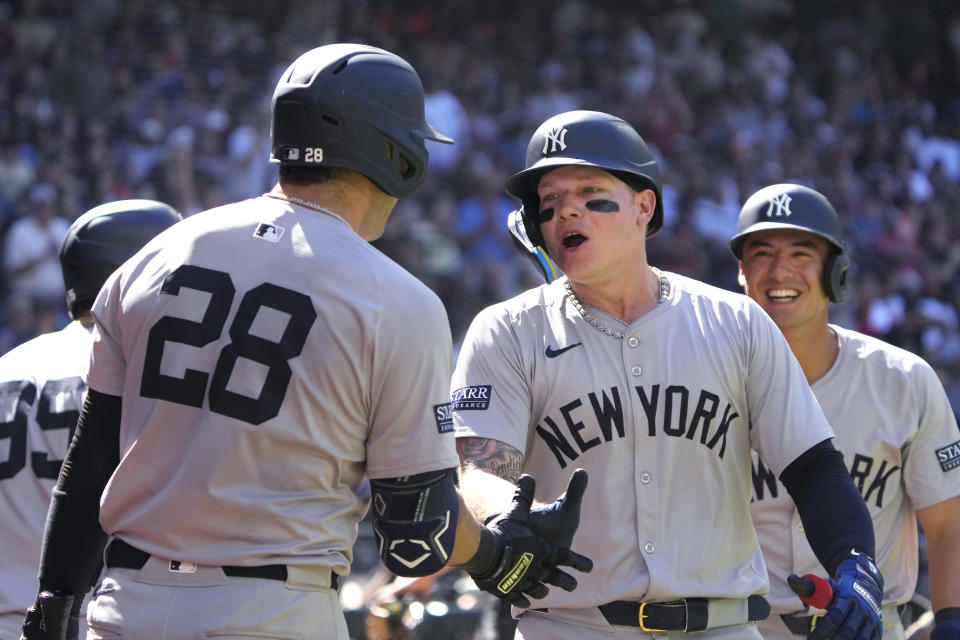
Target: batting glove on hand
522,561
556,523
52,617
852,598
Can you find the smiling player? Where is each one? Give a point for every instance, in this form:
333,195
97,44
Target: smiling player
893,421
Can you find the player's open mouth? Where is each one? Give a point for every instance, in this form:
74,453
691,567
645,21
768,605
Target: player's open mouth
783,295
573,240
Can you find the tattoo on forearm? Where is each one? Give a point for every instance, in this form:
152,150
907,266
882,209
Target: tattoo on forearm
509,469
494,456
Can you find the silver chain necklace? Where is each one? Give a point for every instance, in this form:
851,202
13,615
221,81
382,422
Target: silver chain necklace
664,293
307,204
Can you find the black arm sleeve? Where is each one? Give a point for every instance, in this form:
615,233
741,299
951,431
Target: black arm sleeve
73,540
835,517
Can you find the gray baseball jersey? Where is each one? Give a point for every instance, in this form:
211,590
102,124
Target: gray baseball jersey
41,392
268,357
663,420
899,439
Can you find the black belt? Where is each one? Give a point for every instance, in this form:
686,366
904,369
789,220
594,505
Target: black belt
689,614
122,555
799,625
803,625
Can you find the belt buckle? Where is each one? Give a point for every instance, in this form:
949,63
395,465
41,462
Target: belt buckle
176,566
643,626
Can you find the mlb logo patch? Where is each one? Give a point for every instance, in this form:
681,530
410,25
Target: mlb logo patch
444,417
269,232
475,398
949,456
291,153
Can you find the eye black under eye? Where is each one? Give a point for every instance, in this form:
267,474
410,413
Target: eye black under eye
602,205
545,214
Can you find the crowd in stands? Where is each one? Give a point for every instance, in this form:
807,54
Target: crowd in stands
169,99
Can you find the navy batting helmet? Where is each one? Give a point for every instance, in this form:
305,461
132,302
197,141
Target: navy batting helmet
102,239
355,107
794,206
586,138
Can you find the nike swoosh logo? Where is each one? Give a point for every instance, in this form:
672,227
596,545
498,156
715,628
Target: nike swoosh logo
553,353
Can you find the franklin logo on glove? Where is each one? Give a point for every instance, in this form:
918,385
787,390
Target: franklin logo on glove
516,574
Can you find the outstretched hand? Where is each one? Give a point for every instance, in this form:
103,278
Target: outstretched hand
556,523
526,562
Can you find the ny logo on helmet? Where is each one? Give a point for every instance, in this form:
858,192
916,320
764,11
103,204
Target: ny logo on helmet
779,206
555,138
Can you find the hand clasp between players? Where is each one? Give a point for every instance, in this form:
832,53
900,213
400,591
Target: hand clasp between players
532,545
852,599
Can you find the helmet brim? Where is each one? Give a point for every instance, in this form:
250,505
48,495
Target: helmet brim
428,132
523,184
736,242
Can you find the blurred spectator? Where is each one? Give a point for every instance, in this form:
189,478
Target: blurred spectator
19,322
16,174
769,67
481,225
715,209
445,110
164,100
32,249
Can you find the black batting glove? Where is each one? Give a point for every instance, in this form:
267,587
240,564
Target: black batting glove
52,617
513,563
854,610
556,523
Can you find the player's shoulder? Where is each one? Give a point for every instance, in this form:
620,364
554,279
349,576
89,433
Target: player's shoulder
220,218
28,360
236,216
703,295
878,353
15,362
519,309
685,285
392,282
28,351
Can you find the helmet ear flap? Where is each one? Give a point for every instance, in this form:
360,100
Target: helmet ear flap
529,212
533,252
835,276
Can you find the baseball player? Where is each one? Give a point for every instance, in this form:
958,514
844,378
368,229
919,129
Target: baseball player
660,386
41,391
892,419
249,367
